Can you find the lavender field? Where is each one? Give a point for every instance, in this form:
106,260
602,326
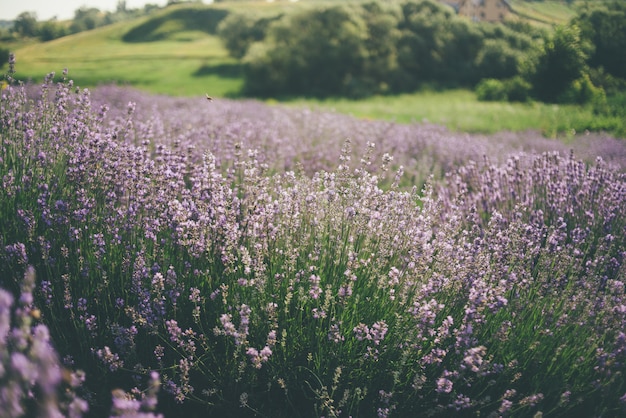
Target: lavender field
165,256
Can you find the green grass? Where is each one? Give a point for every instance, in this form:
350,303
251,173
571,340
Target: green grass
460,110
176,65
547,12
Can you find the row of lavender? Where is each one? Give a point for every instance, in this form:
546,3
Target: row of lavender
248,255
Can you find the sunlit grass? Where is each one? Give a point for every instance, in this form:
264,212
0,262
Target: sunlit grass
551,12
460,110
173,66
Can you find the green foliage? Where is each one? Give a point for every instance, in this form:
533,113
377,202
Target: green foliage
611,84
462,42
381,64
604,28
319,52
400,47
497,59
514,89
561,62
86,18
580,62
52,29
518,89
4,56
25,25
239,30
610,114
421,25
582,91
491,89
617,104
415,43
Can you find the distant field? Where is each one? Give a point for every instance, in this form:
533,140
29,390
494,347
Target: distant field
546,12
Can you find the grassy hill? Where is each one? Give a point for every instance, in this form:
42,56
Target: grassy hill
175,50
127,53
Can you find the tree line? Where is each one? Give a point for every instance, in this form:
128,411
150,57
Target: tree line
27,25
393,47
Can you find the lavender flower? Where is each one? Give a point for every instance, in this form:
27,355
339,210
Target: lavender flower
155,222
258,358
444,385
29,364
125,405
110,359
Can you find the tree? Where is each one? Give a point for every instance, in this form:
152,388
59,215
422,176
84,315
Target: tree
121,6
498,60
86,18
26,24
51,29
436,45
604,28
461,41
561,61
317,52
238,31
4,56
420,45
381,66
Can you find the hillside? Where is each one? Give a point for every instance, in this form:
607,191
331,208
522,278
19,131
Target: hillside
175,50
127,53
172,51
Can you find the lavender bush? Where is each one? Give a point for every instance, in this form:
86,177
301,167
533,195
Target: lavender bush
275,262
30,370
34,382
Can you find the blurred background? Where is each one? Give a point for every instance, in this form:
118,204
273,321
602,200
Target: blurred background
472,65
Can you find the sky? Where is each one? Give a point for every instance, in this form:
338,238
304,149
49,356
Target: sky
63,9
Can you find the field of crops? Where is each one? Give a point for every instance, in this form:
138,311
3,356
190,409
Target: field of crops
170,256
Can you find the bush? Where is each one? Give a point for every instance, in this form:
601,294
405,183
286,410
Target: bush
603,26
617,104
517,89
318,53
610,114
497,59
491,90
582,91
4,56
238,31
51,30
559,64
